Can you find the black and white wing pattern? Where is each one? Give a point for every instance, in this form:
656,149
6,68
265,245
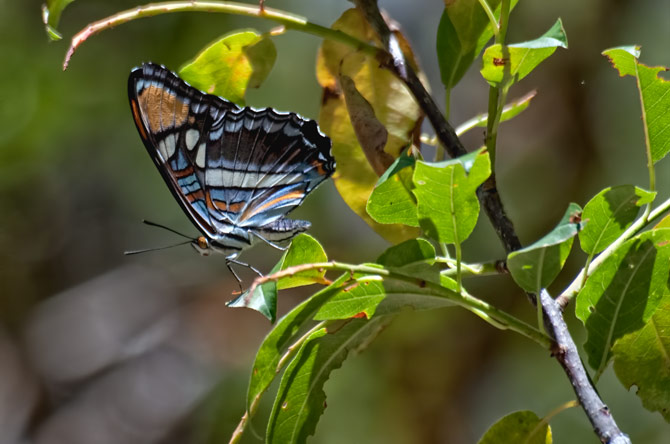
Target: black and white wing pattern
236,172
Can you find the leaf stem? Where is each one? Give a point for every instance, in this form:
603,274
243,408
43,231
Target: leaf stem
492,18
482,269
290,21
571,291
550,415
286,357
498,94
493,315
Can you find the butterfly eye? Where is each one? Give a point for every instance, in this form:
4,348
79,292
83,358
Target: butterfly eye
202,243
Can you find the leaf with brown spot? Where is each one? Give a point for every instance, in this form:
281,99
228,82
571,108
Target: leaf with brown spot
370,132
392,105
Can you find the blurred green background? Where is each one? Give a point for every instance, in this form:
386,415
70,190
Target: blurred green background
75,183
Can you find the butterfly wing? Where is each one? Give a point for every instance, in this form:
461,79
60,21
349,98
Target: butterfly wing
261,164
232,170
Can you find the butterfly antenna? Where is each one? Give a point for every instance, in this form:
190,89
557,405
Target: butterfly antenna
154,224
146,250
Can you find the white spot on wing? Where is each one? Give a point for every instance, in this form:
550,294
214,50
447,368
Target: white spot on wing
170,145
162,150
192,137
201,155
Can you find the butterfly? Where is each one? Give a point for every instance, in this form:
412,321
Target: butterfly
236,172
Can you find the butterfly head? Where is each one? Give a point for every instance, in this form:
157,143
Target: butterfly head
202,246
206,247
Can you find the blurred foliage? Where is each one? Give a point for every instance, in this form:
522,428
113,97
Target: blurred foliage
75,182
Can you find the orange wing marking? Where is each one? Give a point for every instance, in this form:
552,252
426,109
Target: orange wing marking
289,196
138,119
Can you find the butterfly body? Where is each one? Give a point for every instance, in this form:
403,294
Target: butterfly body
236,172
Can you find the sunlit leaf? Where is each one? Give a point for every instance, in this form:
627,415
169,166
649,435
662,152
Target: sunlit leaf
370,133
446,196
536,266
514,62
304,249
609,213
282,336
654,95
373,296
518,427
642,359
623,292
393,106
300,399
664,223
392,200
263,300
231,65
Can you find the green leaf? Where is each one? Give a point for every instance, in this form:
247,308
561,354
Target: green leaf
393,105
518,427
504,66
642,359
510,111
282,336
371,295
263,300
392,201
51,12
304,249
414,258
654,97
447,203
536,266
663,223
462,24
408,253
623,292
609,214
301,400
229,66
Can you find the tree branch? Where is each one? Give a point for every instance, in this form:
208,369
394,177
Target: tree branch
563,347
565,352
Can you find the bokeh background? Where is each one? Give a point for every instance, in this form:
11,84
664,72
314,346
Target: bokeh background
97,347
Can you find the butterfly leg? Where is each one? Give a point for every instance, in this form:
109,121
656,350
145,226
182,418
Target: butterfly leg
239,281
244,264
269,242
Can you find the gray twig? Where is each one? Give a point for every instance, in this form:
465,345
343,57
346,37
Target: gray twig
563,347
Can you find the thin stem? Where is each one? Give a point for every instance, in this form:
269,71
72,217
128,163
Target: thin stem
286,357
550,415
291,351
496,317
290,21
498,94
492,18
504,21
571,291
483,269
